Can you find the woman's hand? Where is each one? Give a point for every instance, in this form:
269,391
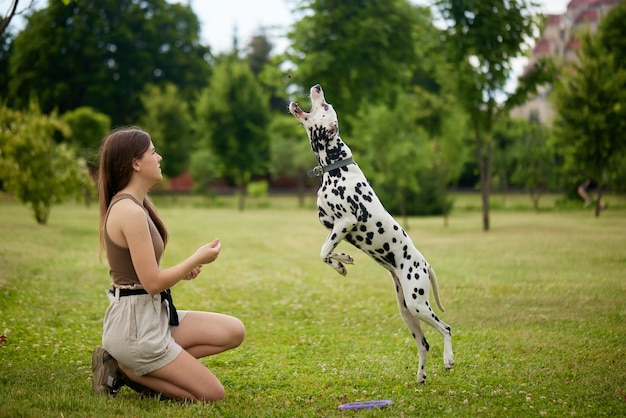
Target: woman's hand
206,254
209,252
193,273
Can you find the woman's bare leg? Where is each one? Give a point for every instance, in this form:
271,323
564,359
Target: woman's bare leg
200,334
205,333
183,378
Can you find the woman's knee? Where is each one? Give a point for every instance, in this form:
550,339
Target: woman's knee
237,332
212,392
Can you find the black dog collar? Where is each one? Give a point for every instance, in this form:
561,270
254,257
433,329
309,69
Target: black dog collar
319,170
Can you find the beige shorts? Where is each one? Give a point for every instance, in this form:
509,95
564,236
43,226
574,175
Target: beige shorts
137,332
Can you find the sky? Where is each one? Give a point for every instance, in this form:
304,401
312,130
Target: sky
221,18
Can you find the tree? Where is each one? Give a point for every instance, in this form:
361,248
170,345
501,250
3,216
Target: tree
102,53
266,69
167,119
290,151
233,116
393,150
530,160
87,128
612,34
482,38
258,52
590,101
39,172
357,50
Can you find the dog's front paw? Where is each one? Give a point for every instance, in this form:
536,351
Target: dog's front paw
341,269
342,257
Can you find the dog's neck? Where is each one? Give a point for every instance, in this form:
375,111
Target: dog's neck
328,149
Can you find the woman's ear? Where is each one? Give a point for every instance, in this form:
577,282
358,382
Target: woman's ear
136,165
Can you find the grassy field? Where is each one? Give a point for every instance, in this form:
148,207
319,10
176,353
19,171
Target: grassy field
537,308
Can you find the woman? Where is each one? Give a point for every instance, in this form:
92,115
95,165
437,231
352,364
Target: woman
147,344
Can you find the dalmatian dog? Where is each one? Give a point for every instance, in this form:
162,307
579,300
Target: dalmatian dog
349,208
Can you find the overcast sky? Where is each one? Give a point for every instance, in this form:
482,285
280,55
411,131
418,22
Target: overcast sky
221,18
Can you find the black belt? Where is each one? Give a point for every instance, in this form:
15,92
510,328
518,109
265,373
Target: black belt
165,295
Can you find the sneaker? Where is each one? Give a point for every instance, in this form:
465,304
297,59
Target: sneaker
105,373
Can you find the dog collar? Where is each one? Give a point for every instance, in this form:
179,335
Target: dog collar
319,170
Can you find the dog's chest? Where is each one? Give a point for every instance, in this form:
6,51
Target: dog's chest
348,197
346,192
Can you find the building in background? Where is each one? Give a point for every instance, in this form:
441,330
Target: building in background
560,41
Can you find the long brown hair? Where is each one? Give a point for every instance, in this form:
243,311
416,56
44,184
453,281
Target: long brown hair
117,152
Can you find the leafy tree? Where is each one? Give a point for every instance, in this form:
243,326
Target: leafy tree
612,34
258,53
204,168
291,153
530,160
102,53
267,70
590,123
87,128
167,119
357,50
233,115
38,171
483,37
450,150
410,152
393,150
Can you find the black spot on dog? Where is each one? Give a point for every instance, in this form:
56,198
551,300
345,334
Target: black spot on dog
391,259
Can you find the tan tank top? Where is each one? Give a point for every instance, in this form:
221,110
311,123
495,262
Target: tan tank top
121,266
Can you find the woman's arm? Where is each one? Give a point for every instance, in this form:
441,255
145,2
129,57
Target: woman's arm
135,230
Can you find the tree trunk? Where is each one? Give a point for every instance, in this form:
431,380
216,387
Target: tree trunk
483,158
7,20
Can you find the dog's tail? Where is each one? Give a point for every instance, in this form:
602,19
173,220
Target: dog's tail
433,281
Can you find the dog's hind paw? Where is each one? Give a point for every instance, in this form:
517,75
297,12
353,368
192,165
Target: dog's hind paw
448,362
421,378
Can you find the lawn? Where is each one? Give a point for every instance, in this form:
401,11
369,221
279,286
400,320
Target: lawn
537,308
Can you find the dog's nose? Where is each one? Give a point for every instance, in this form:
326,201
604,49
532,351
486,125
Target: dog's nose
317,87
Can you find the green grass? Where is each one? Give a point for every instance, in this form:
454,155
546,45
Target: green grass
537,308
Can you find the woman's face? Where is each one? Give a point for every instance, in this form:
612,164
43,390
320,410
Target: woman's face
150,164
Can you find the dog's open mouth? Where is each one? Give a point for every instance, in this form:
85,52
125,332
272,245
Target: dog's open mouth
297,111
